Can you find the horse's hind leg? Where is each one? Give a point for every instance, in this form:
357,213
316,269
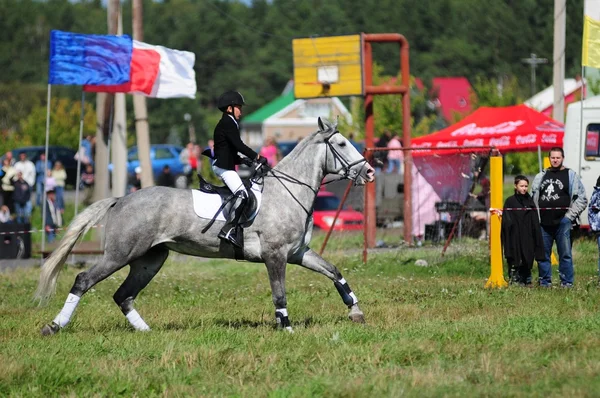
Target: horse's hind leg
143,269
314,262
83,282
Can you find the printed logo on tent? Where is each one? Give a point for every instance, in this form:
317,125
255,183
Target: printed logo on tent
549,138
500,141
525,139
472,129
475,142
550,126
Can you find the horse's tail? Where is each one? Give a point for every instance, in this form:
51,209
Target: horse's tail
52,266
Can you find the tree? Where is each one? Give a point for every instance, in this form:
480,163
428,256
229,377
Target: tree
65,115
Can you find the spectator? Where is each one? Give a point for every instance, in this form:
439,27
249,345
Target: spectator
135,182
382,156
521,234
560,196
8,175
53,215
193,160
211,148
22,199
27,168
271,152
184,158
594,218
60,177
49,182
10,158
395,157
40,170
165,178
5,216
87,183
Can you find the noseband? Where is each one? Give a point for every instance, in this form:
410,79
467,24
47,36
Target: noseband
349,173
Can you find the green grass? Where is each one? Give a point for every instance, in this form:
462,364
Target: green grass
431,331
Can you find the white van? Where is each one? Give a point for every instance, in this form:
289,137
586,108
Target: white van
582,145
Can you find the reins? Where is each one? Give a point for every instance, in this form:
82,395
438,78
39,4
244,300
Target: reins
348,173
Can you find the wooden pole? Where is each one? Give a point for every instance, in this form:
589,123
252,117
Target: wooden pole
139,106
104,104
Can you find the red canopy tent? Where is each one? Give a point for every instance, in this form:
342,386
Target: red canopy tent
510,129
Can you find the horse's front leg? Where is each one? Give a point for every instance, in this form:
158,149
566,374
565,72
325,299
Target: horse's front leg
311,260
276,266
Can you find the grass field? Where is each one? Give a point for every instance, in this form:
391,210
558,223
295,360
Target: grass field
430,331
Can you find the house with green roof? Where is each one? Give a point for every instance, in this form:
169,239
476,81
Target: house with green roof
286,118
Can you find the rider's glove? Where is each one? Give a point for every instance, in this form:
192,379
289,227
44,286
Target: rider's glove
262,160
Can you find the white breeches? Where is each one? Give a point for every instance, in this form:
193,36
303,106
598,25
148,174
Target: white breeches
231,179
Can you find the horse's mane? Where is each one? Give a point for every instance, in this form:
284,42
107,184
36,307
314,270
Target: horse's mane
298,149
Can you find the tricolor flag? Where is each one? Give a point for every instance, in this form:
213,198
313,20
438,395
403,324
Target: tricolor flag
117,64
89,59
158,72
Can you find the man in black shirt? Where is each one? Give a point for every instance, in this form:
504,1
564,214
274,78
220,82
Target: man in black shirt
560,198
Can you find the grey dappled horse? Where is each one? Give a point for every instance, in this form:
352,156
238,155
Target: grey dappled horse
141,228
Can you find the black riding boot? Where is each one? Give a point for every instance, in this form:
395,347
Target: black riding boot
232,231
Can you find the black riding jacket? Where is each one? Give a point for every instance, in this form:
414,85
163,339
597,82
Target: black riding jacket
228,143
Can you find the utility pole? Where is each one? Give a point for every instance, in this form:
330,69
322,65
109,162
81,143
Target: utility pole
104,104
558,66
139,105
534,61
118,140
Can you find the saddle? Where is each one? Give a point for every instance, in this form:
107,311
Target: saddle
227,197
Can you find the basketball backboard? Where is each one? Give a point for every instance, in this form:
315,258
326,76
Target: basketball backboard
328,66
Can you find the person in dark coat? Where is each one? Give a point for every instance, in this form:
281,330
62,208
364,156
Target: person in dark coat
521,233
227,145
166,179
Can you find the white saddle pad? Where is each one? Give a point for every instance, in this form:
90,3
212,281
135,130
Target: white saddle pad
207,204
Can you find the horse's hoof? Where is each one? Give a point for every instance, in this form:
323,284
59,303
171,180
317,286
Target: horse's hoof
357,317
50,329
289,329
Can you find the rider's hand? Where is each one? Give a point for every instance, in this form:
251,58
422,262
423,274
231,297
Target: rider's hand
247,161
262,160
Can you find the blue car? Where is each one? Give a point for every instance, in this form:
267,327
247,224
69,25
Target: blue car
160,155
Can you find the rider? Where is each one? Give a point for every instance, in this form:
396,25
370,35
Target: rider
227,145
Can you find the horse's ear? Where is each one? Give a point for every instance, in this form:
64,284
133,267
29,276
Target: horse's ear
321,125
335,124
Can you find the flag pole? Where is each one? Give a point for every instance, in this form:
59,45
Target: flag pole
78,180
45,170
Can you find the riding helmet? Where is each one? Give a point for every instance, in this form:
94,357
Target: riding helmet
230,98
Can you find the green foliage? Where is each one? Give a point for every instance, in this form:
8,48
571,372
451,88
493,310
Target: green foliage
65,116
247,46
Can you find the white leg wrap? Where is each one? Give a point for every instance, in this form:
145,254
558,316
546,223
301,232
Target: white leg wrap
282,311
64,316
136,321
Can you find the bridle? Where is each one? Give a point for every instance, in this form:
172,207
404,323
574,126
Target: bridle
349,172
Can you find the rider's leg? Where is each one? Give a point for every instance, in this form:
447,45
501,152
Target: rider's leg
234,183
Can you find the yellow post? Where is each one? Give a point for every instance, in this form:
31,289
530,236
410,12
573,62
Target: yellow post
496,279
546,162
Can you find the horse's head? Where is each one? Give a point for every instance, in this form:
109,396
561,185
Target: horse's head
342,157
